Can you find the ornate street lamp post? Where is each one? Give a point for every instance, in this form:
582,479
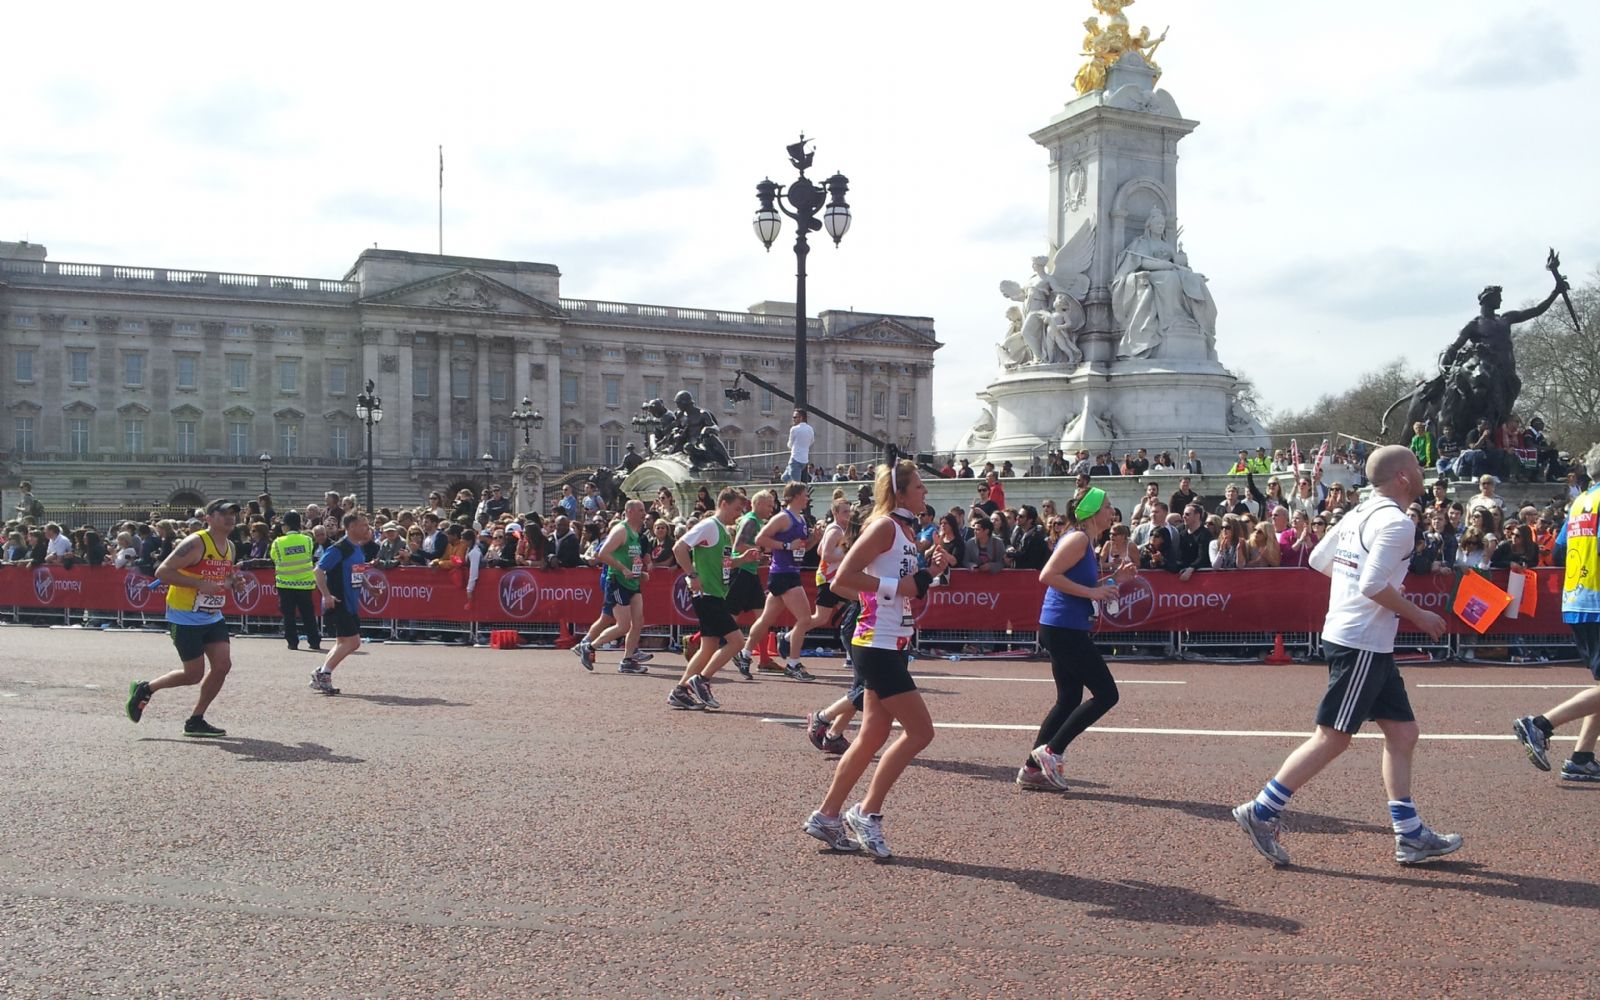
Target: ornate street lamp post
369,410
807,199
266,467
529,419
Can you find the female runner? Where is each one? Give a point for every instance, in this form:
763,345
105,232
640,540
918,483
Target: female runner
1073,580
882,568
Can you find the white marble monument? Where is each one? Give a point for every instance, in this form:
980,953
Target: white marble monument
1112,343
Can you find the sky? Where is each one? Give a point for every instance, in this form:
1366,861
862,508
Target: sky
1358,175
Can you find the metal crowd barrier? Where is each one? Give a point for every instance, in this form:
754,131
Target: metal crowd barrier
1223,646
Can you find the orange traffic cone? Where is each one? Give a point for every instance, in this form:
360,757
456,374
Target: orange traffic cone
1279,655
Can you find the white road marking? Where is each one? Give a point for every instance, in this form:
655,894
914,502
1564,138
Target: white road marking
1534,687
8,694
1006,680
1248,733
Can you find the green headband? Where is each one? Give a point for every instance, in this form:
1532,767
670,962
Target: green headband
1090,504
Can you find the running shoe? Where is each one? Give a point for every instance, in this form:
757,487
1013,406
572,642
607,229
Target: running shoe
1263,833
632,667
836,745
1034,779
138,697
1534,741
816,728
769,666
1571,771
322,682
585,654
868,831
640,656
701,688
741,663
783,644
679,698
198,726
798,672
1425,844
831,832
1052,764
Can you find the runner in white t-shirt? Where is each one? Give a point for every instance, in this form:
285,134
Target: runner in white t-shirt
1365,557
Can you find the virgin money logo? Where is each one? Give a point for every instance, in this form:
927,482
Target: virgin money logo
1136,602
136,588
682,599
982,601
43,585
519,593
246,592
374,592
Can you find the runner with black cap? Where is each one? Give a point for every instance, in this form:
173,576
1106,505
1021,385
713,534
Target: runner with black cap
199,574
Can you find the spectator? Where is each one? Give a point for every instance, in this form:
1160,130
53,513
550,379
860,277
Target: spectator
1447,451
1480,455
264,502
94,548
1159,551
1080,465
984,551
964,472
568,550
38,547
1194,544
997,491
1295,544
666,504
1184,495
1163,463
1058,527
592,502
58,547
1157,519
662,540
392,549
126,557
534,547
855,474
1057,464
1261,550
1116,550
1192,464
494,504
466,505
703,502
801,437
436,506
1486,498
455,548
1224,550
1518,549
1232,504
1259,463
947,471
1242,466
1028,548
952,541
472,558
1006,471
1146,503
1280,461
1335,500
1422,445
1102,466
434,540
1472,553
985,501
1436,544
257,549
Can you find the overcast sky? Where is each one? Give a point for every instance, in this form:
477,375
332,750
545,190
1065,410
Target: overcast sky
1359,172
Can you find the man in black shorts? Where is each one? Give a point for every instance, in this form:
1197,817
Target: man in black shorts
705,553
1366,557
745,595
341,573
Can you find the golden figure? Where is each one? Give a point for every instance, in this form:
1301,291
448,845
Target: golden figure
1104,46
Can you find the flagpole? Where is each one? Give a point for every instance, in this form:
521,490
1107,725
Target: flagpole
441,200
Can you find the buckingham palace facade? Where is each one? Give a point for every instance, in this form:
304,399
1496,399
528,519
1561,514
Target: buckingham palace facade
145,385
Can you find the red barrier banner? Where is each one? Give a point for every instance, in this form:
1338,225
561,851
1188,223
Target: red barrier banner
1254,600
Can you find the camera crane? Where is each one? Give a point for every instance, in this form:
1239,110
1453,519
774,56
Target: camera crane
735,393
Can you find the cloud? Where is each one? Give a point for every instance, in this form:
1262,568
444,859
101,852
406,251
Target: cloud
1386,283
1012,222
234,117
1525,51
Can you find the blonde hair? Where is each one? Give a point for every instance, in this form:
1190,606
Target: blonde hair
889,485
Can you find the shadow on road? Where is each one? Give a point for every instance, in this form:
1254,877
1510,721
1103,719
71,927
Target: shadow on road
990,772
398,701
266,751
1128,899
1486,882
1294,822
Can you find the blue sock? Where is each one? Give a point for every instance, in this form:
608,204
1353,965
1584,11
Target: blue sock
1274,799
1403,813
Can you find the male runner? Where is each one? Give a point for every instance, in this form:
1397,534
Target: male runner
744,589
296,578
705,553
341,573
622,554
1366,556
198,574
1580,609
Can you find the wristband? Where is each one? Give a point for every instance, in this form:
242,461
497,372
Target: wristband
924,580
888,589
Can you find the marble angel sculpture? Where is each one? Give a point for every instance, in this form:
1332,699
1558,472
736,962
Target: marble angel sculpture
1062,275
1011,349
1156,297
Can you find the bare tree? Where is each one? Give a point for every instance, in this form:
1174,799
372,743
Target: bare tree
1357,411
1560,370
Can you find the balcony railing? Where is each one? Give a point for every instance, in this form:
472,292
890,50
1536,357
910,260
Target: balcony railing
73,275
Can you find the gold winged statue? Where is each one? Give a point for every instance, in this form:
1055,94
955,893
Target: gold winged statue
1105,45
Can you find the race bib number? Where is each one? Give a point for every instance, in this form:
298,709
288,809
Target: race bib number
636,567
209,602
358,574
908,620
727,569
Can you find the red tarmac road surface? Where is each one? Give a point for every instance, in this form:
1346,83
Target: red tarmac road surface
501,823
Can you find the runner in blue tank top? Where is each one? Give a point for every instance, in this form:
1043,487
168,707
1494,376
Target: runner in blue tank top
1072,577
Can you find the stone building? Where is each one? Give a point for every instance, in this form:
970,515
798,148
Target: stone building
131,384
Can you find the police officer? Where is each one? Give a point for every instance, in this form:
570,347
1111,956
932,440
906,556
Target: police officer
296,578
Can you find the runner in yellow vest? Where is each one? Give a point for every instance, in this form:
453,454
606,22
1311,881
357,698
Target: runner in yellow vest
199,574
296,572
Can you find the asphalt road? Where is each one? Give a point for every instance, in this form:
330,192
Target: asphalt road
467,821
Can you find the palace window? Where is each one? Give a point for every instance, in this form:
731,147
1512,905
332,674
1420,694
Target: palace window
338,378
78,367
22,433
239,374
133,369
187,367
184,442
24,361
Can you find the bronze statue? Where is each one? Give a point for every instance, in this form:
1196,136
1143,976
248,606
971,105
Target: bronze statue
1477,378
691,432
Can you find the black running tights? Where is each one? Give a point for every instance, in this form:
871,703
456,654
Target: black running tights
1075,664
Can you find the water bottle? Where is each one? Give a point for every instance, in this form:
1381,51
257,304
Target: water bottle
1111,604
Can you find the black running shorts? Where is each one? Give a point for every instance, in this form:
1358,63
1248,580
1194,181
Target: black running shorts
779,584
826,598
617,594
744,593
336,621
192,640
1586,636
715,619
1362,685
884,672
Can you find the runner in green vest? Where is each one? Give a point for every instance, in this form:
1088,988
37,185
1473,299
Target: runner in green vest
745,594
705,553
296,572
623,556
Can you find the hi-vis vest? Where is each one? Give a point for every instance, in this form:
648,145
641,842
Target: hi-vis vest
1580,591
216,566
291,558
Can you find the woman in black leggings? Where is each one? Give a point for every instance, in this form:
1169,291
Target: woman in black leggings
1072,575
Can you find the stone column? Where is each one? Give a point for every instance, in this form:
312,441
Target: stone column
484,409
445,446
107,387
552,399
394,379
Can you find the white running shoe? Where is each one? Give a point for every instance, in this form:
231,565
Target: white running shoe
1035,780
1425,844
1263,833
831,832
868,831
1053,765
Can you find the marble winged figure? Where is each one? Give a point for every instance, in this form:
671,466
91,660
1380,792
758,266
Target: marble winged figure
1052,302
